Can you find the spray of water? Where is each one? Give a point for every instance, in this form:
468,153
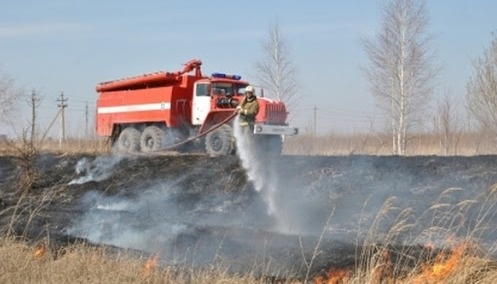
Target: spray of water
248,156
260,168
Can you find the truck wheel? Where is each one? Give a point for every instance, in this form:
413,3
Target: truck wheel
152,138
220,142
129,140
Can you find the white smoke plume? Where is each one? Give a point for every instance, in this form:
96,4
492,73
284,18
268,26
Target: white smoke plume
165,217
95,170
133,222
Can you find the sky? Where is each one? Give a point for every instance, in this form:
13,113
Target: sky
56,46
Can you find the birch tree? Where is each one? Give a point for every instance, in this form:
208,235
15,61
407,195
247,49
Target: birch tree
482,89
400,69
275,70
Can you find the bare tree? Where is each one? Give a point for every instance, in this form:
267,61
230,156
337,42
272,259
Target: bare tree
8,96
275,70
400,69
482,89
446,123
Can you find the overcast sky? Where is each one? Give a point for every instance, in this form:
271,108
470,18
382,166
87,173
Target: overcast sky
57,46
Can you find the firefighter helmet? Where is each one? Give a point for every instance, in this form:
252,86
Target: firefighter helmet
249,89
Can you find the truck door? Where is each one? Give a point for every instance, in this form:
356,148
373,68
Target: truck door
201,103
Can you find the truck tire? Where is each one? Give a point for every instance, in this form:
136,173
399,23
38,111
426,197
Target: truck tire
129,140
220,142
152,138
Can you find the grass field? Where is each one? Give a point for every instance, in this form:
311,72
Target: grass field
461,260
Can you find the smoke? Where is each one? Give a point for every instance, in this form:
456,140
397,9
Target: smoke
191,216
137,222
406,200
96,170
167,216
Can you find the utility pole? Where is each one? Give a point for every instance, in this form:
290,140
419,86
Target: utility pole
33,104
61,103
33,117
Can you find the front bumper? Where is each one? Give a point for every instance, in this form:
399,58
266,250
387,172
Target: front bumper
266,129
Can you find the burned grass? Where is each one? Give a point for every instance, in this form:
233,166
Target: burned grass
362,218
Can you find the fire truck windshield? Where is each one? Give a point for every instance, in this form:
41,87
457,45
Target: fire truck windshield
240,89
227,89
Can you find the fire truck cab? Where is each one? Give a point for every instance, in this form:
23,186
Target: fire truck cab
153,111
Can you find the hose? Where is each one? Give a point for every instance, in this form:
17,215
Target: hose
170,147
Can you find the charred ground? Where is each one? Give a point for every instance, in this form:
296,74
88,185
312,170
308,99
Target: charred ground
312,213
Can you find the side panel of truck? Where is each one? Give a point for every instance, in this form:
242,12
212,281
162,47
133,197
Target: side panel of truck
140,106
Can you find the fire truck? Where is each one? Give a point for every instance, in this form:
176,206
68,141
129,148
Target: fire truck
153,111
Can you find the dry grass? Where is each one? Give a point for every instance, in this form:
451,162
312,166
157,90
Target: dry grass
462,144
80,263
24,263
70,146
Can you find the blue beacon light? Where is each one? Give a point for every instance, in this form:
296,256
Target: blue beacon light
223,75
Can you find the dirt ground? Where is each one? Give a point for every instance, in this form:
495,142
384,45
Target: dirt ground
303,214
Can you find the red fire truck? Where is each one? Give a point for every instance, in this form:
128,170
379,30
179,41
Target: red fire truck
153,111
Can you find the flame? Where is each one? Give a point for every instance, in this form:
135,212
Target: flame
334,276
150,265
39,251
444,265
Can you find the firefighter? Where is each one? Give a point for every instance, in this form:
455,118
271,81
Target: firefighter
247,110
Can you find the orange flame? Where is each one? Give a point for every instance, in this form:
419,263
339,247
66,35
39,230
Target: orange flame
334,276
40,251
150,265
444,266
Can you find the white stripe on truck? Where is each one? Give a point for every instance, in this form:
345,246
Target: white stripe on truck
134,108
